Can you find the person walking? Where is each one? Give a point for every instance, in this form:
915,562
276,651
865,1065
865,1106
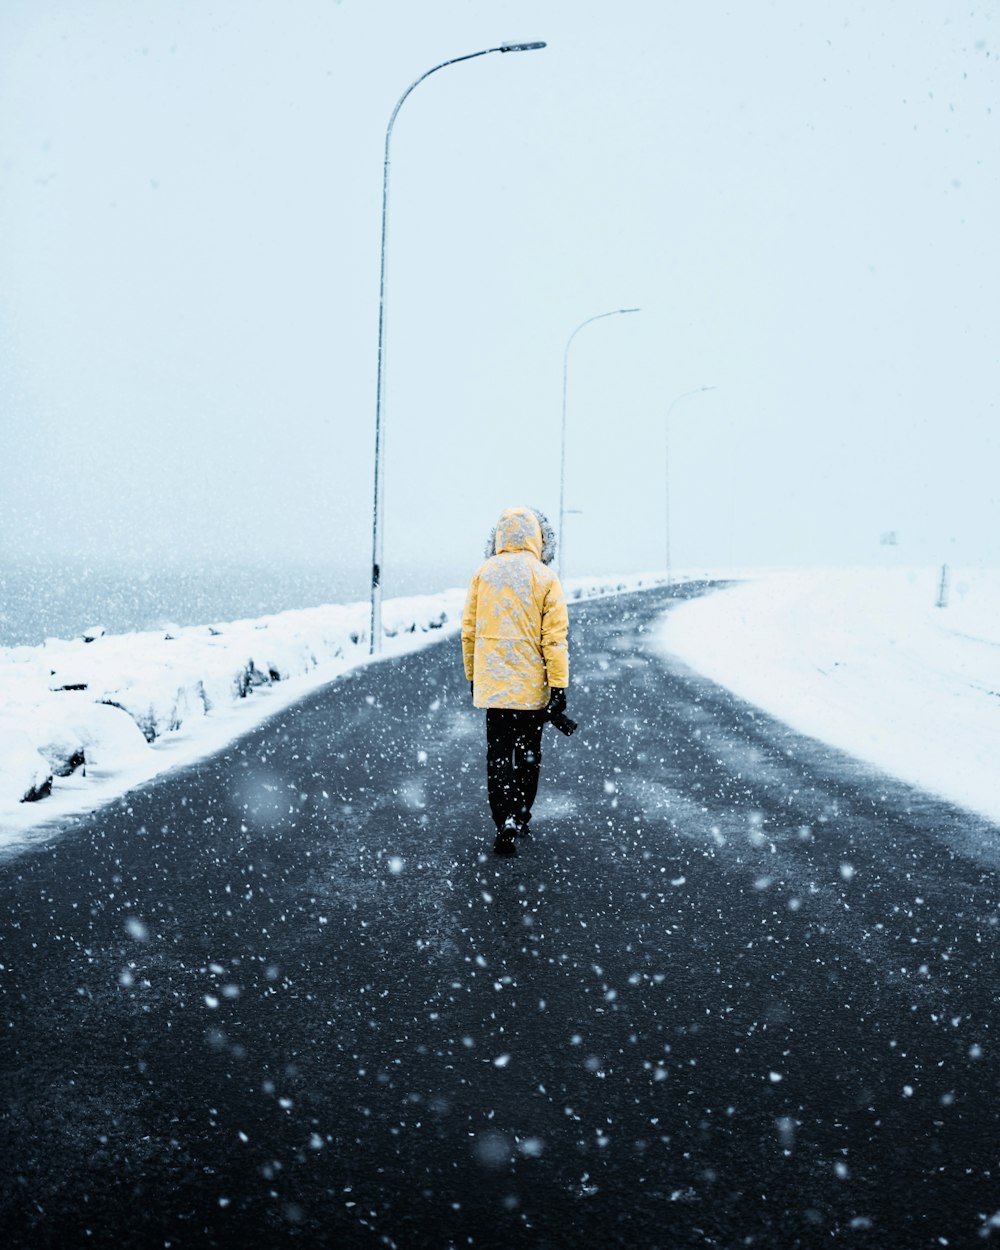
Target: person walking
514,648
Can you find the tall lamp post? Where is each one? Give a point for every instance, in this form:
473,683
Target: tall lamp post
666,463
375,630
614,312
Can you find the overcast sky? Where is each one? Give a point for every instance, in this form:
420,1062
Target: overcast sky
802,198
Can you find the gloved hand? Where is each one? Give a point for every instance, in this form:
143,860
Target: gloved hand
557,701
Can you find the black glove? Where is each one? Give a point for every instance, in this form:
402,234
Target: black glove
557,702
555,713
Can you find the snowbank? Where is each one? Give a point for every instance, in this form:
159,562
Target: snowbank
865,661
83,721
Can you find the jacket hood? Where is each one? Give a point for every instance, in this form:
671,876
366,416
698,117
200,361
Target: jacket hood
523,529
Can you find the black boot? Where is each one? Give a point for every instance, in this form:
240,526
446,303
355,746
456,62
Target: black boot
504,844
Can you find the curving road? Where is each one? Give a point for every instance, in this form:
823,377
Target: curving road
737,990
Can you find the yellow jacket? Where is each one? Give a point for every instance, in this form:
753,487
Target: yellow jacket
515,621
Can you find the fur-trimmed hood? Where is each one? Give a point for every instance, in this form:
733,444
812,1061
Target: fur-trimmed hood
513,536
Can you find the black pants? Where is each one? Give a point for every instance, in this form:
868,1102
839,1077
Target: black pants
513,758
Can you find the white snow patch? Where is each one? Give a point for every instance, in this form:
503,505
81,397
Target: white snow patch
24,772
864,660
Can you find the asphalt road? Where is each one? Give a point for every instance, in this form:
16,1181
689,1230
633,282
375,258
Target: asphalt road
737,990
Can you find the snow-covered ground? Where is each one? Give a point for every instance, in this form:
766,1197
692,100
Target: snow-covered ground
866,661
82,722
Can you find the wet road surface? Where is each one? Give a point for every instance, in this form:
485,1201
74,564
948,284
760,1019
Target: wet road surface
736,990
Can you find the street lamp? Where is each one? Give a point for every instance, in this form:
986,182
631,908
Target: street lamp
562,445
666,461
375,631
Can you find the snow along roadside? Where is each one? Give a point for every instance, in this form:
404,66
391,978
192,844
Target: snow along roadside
83,722
864,660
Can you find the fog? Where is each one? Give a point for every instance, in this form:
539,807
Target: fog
802,200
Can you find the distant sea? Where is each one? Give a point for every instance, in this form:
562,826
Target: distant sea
61,599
